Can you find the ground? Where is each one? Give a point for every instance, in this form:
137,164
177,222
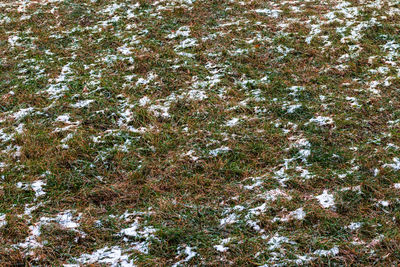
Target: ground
199,132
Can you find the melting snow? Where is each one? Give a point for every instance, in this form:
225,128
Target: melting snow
189,255
37,186
82,103
322,121
217,151
326,200
3,221
114,257
221,247
324,253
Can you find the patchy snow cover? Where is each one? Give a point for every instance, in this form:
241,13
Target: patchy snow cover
188,251
182,31
324,253
219,150
395,166
144,101
197,95
298,214
326,200
232,218
82,103
64,219
221,247
272,13
3,221
113,257
354,226
22,113
232,122
37,186
277,240
322,121
246,68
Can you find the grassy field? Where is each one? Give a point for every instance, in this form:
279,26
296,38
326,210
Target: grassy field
199,132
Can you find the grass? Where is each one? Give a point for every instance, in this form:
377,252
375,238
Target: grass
199,133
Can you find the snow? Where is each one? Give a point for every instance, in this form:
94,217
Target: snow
220,150
326,200
22,113
276,241
221,247
66,220
63,118
298,214
197,95
189,255
113,257
271,13
395,166
354,226
232,218
232,122
144,101
13,40
3,221
324,253
187,43
37,186
322,121
182,31
133,231
82,103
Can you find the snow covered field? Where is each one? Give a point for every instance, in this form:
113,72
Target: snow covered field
199,132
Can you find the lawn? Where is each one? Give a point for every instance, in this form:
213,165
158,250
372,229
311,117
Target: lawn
199,133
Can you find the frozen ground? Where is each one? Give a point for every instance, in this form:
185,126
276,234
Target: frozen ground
199,132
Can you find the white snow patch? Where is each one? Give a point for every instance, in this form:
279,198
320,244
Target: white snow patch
113,257
197,95
273,195
276,241
354,226
189,255
221,247
217,151
269,12
182,31
232,218
22,113
298,214
144,101
82,103
66,220
322,121
326,200
3,221
232,122
37,186
395,165
189,42
324,253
